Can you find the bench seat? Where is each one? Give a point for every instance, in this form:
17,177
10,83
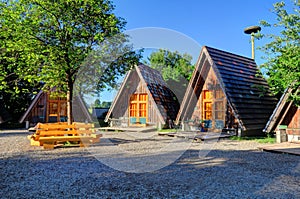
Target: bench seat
50,135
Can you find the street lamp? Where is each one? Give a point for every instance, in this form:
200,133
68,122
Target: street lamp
251,30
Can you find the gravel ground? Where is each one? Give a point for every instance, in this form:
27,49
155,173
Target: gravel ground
125,165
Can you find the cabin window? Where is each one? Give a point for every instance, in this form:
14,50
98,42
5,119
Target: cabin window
138,109
53,108
207,95
219,93
219,110
207,105
57,108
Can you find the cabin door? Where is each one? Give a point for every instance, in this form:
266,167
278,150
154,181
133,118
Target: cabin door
207,108
57,110
207,105
138,110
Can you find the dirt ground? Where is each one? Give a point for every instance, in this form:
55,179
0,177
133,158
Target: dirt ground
127,165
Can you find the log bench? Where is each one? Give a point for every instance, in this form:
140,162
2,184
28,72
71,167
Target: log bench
50,135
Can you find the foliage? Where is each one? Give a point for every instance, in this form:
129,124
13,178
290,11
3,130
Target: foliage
104,104
175,68
51,39
283,50
267,139
97,103
172,65
16,93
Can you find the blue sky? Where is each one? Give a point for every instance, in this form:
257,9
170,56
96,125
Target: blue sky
215,23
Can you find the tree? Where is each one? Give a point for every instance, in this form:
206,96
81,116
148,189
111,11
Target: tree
97,103
283,51
16,93
172,65
105,104
175,68
53,38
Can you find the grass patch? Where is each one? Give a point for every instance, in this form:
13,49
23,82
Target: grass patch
262,140
167,130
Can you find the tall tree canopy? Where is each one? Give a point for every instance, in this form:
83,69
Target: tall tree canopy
172,65
283,50
175,68
51,40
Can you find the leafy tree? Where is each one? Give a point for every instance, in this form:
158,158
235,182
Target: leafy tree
16,93
175,68
53,38
283,50
105,104
97,103
172,65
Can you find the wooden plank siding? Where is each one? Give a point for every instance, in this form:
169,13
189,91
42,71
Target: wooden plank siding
248,100
40,110
293,121
285,113
162,103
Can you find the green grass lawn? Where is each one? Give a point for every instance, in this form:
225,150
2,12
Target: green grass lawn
167,130
267,139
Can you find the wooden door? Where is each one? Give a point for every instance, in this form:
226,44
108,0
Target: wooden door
138,110
207,105
57,109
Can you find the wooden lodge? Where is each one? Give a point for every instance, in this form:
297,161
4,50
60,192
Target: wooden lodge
4,115
143,99
225,93
49,108
286,118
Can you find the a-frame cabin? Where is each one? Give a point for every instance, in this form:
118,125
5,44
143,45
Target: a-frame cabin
47,107
4,115
226,93
143,99
286,116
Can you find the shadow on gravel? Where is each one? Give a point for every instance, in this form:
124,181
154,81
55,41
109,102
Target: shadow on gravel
14,133
117,141
221,174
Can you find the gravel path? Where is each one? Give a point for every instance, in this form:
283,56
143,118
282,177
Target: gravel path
157,167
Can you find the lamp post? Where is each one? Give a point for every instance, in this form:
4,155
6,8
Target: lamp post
251,30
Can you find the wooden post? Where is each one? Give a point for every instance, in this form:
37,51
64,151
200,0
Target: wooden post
69,107
253,47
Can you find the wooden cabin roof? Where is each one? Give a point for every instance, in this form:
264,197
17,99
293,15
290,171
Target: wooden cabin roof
279,113
165,100
247,92
80,111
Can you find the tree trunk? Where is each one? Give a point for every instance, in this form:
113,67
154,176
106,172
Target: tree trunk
69,104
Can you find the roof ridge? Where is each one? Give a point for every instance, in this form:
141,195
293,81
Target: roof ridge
227,52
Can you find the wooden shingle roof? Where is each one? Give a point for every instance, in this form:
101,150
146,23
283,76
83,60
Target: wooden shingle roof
246,91
282,108
164,99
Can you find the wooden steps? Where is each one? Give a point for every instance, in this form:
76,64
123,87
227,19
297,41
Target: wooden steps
196,135
284,147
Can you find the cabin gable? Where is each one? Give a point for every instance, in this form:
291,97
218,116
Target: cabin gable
211,104
144,98
47,107
286,116
247,100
